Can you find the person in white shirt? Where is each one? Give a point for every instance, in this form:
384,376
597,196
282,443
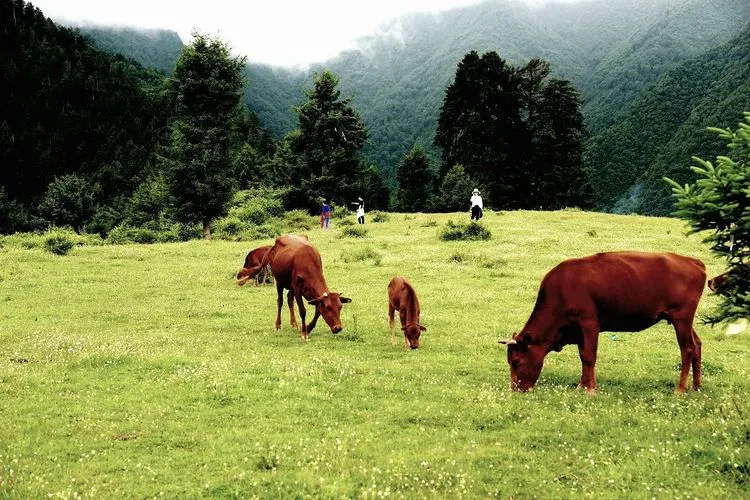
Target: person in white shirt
360,206
476,205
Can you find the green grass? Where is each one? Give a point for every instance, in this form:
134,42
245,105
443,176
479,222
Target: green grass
135,371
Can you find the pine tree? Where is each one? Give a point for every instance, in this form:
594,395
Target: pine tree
208,84
719,202
331,135
455,191
414,180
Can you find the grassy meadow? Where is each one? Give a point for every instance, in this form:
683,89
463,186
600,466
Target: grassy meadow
144,370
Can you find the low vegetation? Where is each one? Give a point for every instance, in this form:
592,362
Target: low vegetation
142,370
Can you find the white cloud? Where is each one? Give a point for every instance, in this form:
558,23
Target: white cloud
278,32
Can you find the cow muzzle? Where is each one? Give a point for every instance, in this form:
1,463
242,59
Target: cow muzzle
336,328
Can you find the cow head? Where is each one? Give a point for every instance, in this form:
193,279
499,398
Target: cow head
329,305
526,359
412,331
244,275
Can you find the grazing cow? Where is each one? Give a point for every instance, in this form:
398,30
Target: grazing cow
403,298
254,257
716,283
614,292
297,267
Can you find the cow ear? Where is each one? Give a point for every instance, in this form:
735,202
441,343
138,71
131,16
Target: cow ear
315,302
423,328
524,338
345,300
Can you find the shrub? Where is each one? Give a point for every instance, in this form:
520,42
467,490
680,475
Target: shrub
345,222
378,216
68,201
429,223
362,254
145,235
472,231
298,220
353,231
60,241
230,226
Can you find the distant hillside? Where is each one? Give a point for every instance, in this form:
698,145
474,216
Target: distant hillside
666,125
610,50
154,48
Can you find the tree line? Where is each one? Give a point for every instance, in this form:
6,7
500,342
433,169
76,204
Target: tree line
92,141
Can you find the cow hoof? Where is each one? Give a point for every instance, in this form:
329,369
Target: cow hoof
679,391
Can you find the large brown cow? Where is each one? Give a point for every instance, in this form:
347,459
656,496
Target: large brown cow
254,258
403,298
615,292
297,267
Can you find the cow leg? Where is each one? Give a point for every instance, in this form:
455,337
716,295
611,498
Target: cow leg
314,320
587,348
280,302
402,317
290,301
697,378
302,313
391,310
689,353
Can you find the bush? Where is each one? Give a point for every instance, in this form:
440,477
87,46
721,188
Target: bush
472,231
60,241
230,226
345,222
299,220
362,254
378,216
353,231
68,201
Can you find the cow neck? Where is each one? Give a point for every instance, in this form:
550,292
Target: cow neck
316,289
412,314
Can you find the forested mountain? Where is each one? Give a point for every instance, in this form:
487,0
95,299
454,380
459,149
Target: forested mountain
70,109
610,50
155,48
666,125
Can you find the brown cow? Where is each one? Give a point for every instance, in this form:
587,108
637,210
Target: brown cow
716,283
254,257
297,267
615,292
403,298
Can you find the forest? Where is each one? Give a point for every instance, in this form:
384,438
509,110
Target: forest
644,85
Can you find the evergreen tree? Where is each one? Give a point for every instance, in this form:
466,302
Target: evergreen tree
719,202
516,131
414,179
481,127
208,84
455,191
330,139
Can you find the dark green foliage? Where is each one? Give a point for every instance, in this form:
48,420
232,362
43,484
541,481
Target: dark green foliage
208,85
719,202
515,131
330,139
471,231
455,191
66,108
69,201
414,179
666,126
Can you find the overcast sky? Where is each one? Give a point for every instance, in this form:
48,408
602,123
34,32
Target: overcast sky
278,32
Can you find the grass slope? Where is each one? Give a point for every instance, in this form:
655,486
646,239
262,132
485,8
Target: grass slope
150,372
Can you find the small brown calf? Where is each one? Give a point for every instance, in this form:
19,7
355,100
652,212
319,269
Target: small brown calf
403,298
254,258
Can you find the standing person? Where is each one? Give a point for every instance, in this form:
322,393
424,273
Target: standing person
360,206
325,215
476,205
